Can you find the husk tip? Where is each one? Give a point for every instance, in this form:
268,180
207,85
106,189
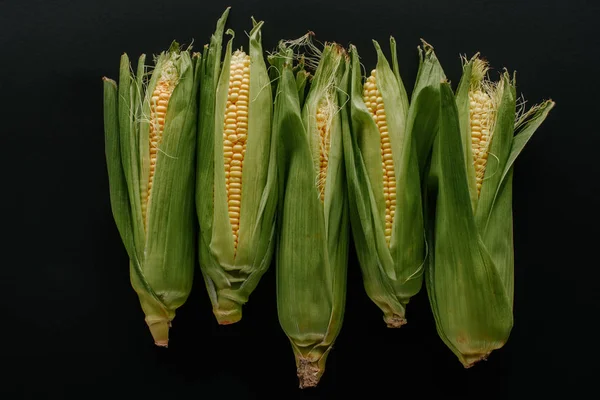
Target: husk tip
160,332
469,361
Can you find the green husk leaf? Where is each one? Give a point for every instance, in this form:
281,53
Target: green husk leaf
301,81
119,197
205,156
129,143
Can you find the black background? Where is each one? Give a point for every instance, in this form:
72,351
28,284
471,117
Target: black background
71,325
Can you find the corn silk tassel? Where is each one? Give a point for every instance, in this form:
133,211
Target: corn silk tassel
470,273
150,123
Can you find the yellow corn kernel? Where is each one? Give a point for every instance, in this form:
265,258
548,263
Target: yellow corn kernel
481,108
323,126
158,111
374,102
235,135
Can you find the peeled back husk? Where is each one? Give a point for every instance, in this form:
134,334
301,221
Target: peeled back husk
471,270
231,272
392,268
155,220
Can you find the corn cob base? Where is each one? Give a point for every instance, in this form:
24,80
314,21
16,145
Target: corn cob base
309,373
394,321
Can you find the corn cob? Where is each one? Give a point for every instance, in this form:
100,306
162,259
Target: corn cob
471,271
149,140
312,245
385,152
236,193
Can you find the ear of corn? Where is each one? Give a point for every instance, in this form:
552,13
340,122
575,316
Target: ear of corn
236,193
312,245
470,275
386,151
149,131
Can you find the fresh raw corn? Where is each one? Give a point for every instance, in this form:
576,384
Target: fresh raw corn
313,225
235,136
481,116
236,192
150,124
374,103
471,270
385,152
